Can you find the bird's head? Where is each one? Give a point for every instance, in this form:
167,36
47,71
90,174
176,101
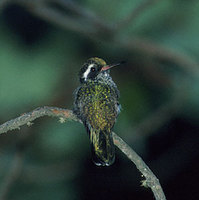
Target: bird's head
92,68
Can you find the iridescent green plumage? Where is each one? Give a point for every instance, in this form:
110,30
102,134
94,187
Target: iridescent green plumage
96,104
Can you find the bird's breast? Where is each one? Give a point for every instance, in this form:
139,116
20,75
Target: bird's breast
99,106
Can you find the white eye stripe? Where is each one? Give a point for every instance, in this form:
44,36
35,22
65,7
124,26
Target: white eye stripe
87,71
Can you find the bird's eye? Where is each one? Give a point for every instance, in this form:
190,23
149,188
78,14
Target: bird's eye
92,69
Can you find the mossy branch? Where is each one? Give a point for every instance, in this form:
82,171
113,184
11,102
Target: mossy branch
26,119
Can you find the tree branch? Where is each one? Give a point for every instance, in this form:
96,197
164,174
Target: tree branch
40,8
150,48
151,180
134,14
92,17
95,25
27,118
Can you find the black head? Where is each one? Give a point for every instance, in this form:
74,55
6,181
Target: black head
91,69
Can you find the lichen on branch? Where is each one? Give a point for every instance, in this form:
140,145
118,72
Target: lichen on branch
65,114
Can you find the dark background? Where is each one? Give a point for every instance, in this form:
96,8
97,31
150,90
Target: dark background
41,52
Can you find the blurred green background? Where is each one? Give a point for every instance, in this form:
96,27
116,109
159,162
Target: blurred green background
40,57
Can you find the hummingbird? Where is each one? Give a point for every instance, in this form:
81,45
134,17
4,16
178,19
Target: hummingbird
97,105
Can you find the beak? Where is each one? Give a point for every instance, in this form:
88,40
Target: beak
111,66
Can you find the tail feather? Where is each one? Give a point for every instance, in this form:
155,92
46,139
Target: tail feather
102,147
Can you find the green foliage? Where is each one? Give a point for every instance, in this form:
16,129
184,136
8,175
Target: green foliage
58,141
